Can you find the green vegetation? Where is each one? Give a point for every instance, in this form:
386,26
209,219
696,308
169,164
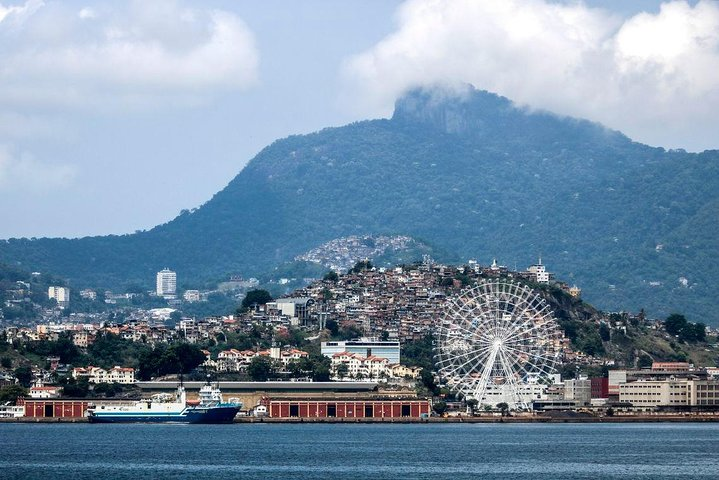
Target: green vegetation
24,375
331,276
254,297
20,291
677,324
261,369
164,360
439,407
361,266
10,393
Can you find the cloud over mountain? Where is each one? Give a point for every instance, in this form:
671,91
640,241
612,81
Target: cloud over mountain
654,76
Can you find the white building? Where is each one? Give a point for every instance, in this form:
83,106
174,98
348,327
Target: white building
88,294
539,272
12,411
191,295
44,392
237,360
166,283
358,366
100,375
60,294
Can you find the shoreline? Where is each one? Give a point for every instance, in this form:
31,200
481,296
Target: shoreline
432,420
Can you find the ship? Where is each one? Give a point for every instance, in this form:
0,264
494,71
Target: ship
166,408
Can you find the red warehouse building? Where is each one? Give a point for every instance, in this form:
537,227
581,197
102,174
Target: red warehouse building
348,408
53,407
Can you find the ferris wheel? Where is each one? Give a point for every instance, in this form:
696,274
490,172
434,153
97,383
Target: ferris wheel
498,342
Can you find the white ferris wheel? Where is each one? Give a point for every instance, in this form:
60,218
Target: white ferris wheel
498,342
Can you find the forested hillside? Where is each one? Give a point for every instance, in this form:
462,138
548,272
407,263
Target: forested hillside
474,177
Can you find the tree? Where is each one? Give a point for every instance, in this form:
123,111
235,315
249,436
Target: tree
472,405
604,332
439,407
10,393
321,369
107,389
261,368
700,332
295,369
75,388
504,408
675,323
254,297
175,318
689,332
189,357
428,380
361,266
645,361
333,327
331,276
24,375
164,360
342,370
6,362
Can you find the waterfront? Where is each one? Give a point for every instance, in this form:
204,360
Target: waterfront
341,451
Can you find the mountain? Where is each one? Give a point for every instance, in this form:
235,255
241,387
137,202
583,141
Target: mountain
470,174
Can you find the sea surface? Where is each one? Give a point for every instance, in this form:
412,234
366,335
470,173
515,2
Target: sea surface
359,451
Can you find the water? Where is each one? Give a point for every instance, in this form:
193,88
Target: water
336,451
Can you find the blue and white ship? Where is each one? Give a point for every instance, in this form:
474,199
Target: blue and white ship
165,408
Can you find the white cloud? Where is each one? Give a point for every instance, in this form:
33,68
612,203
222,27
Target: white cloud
114,54
654,76
21,172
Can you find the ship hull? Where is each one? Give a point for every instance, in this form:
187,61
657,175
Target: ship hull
191,415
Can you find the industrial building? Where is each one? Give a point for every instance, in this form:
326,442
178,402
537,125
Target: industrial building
53,407
300,408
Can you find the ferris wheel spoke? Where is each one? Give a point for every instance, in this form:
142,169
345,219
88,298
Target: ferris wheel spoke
529,304
532,356
538,321
455,368
510,379
484,378
469,332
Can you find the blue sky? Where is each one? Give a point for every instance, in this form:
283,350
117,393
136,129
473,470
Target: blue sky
114,116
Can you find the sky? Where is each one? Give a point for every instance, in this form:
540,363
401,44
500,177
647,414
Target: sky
115,116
